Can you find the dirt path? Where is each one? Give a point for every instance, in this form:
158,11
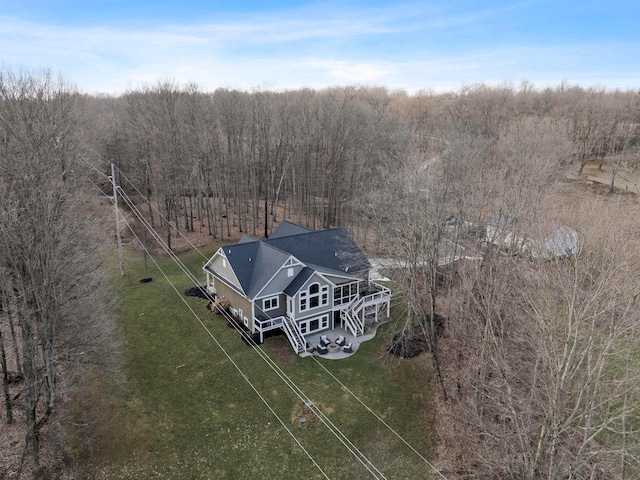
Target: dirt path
626,180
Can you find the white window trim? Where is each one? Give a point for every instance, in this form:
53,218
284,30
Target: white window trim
323,293
270,300
305,325
339,298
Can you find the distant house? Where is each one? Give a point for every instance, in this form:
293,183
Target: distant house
299,281
503,231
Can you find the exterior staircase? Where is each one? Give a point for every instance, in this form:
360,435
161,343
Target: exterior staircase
354,315
296,339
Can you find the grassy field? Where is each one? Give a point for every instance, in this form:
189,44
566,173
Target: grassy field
183,410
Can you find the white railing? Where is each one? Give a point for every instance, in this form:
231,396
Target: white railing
353,324
268,323
294,335
351,315
381,296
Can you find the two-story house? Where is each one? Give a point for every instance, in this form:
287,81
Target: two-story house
300,281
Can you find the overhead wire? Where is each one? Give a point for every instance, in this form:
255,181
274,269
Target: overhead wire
334,429
297,390
226,354
380,419
154,208
254,344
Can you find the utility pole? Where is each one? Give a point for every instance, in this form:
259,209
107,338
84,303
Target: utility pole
115,204
266,201
266,186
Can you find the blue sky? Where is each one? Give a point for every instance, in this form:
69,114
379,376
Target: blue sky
110,46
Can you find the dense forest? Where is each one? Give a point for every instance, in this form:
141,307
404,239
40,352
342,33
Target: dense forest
535,362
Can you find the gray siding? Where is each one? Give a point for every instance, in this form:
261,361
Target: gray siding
281,281
313,311
280,311
236,300
221,265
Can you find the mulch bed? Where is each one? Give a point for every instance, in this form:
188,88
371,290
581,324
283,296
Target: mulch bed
200,292
417,344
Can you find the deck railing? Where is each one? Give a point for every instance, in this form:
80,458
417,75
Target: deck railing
383,294
294,335
353,324
268,323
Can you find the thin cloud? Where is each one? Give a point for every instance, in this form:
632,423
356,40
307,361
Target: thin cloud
411,47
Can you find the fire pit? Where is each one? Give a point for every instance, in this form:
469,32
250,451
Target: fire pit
333,347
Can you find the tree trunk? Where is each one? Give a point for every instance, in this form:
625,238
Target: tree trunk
5,382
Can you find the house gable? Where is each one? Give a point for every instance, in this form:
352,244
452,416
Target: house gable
282,278
313,296
299,281
221,268
252,264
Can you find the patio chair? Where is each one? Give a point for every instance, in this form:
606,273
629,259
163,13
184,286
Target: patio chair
321,349
324,341
348,348
340,340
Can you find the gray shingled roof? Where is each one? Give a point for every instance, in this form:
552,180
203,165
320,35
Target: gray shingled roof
298,282
287,229
256,261
332,248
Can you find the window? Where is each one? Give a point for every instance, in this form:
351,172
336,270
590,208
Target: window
344,293
290,272
270,303
314,296
303,300
314,324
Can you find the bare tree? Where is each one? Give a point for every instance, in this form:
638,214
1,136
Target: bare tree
540,347
47,261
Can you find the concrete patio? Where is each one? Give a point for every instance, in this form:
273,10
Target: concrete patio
332,335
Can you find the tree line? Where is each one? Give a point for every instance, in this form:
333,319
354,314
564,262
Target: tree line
210,160
534,364
54,324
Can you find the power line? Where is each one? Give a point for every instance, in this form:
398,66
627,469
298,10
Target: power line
440,474
301,395
273,366
159,213
227,355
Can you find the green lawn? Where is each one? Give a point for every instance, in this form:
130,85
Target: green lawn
183,411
